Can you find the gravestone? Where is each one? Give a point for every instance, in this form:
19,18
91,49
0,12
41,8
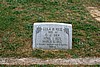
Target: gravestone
52,36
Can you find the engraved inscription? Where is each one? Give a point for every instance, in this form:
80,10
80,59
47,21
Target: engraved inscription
51,36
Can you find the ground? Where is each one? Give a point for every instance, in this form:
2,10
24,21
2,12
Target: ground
18,16
32,61
95,12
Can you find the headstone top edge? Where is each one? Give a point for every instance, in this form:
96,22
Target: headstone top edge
53,23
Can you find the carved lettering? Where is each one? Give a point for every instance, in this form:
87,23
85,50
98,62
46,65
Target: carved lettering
52,36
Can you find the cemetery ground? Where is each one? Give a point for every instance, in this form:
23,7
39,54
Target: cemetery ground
16,26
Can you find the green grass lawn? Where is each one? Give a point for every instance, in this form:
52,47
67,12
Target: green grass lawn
16,26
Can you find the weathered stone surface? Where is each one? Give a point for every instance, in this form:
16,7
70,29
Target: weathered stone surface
67,61
52,36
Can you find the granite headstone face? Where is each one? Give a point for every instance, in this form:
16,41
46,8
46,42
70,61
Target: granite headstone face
52,36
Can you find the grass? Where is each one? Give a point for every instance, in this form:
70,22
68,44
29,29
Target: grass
18,16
